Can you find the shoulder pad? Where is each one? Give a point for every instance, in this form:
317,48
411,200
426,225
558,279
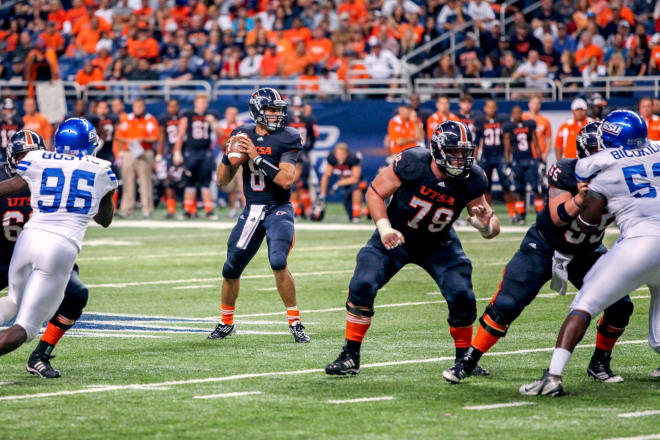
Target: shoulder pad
562,174
247,128
409,164
477,182
588,167
332,159
292,136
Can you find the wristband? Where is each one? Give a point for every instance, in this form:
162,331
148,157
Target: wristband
563,214
384,226
577,204
225,160
488,231
266,167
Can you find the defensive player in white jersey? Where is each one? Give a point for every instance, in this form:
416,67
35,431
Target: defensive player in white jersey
624,178
69,187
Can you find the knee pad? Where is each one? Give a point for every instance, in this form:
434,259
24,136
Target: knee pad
361,292
8,309
72,306
361,311
278,260
494,322
617,315
462,313
231,272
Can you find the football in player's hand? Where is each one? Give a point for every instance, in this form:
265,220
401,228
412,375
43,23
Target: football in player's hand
236,158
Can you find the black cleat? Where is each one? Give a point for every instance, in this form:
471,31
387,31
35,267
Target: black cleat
347,363
222,331
599,369
40,366
480,371
459,371
298,332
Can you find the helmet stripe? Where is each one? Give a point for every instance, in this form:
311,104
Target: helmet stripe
463,133
28,137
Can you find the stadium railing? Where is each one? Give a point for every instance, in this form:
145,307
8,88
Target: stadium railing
636,86
506,88
21,89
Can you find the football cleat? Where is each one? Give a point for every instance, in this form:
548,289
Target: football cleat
457,372
655,374
222,331
480,371
40,366
347,363
298,332
599,369
548,385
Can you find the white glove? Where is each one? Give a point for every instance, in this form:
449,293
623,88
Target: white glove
560,263
389,236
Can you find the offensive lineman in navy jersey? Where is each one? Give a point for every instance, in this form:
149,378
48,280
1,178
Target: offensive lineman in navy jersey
429,190
522,146
15,210
554,248
273,151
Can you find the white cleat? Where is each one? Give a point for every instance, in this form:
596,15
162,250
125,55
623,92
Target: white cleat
548,385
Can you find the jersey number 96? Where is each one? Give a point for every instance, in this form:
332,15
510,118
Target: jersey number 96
53,182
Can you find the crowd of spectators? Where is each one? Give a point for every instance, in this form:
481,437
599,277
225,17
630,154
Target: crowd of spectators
92,40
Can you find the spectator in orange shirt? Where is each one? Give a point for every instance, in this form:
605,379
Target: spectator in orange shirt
567,134
443,114
57,15
589,50
606,15
298,32
181,13
404,130
319,47
144,12
103,60
311,78
87,20
78,11
270,62
89,36
294,62
543,127
356,10
144,46
35,121
136,136
88,74
53,39
652,121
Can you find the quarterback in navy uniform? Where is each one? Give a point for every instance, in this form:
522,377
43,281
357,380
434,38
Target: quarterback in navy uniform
168,134
522,145
491,151
15,211
429,189
268,175
346,166
10,123
554,249
193,151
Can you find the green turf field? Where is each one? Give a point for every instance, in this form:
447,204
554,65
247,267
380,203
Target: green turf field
128,376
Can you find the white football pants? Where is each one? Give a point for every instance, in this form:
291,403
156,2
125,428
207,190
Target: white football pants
38,274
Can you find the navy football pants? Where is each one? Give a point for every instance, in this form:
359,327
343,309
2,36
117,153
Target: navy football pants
447,264
277,227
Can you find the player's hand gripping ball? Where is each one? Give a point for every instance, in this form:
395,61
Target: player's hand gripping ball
236,158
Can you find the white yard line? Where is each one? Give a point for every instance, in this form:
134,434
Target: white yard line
86,334
641,437
498,405
362,399
654,412
225,395
273,374
199,286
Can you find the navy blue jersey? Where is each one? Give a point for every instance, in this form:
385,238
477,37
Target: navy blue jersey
7,130
15,210
490,130
521,138
468,120
198,132
306,126
170,124
569,238
106,131
344,169
283,145
424,207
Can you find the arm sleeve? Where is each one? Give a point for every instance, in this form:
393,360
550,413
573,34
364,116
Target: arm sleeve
28,168
109,180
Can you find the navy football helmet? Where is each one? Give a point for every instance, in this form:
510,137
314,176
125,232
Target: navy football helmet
623,129
76,136
268,98
588,140
452,149
22,142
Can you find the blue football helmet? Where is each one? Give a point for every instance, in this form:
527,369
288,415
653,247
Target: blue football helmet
623,129
268,98
76,136
22,142
588,140
452,149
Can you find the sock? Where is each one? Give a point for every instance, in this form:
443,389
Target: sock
538,204
305,199
208,206
560,358
462,339
297,208
356,327
227,314
43,349
171,205
511,207
357,210
483,341
115,199
53,334
293,315
520,207
190,206
607,335
352,346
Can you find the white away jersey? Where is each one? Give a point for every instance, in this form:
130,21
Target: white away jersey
66,191
630,180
